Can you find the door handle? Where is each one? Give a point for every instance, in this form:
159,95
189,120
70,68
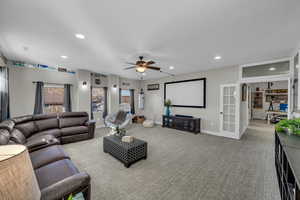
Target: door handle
221,113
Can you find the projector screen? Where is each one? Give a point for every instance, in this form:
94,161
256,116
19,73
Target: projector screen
187,93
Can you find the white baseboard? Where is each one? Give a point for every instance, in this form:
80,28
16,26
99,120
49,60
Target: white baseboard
100,126
243,131
219,134
158,122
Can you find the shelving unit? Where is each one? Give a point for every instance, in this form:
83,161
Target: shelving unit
257,99
287,164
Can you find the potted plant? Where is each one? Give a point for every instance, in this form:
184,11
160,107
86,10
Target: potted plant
291,126
168,104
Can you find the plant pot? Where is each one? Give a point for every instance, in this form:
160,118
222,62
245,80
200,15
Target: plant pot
167,111
288,131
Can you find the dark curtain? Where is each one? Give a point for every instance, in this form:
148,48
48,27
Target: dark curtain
39,98
132,101
92,113
105,103
67,98
120,95
4,94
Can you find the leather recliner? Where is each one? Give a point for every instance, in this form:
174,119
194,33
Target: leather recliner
56,174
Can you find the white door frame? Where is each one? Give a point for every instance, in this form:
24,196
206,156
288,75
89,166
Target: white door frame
284,77
272,79
236,134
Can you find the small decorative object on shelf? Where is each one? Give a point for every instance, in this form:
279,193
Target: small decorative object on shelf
153,87
290,127
127,139
168,104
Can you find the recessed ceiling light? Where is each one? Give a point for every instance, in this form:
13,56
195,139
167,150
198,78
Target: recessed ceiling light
80,36
171,67
64,57
272,68
217,57
144,74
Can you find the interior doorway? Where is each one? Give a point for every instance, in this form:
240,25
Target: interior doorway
268,102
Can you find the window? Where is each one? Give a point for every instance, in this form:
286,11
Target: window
125,96
271,69
54,99
97,99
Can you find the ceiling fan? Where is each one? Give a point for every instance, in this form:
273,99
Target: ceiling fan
141,66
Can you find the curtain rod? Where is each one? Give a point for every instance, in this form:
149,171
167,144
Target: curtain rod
52,83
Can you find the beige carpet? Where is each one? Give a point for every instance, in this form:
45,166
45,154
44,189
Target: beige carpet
182,165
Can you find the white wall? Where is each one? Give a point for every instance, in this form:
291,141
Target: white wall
210,115
22,90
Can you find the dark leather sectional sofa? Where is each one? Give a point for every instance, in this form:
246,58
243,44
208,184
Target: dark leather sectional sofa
56,174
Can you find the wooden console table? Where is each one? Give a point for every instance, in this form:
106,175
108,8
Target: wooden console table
287,164
189,124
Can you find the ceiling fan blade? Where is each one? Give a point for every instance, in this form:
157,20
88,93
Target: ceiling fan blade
129,68
150,62
166,73
153,68
129,63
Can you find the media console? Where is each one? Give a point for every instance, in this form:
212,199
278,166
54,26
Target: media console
287,164
182,122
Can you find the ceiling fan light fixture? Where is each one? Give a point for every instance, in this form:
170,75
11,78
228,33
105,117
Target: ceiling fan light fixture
141,69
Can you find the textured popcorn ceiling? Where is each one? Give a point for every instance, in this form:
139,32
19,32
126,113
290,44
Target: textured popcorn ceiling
185,34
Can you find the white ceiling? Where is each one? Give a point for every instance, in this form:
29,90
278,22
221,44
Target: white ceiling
185,34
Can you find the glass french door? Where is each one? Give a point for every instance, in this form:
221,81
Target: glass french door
228,107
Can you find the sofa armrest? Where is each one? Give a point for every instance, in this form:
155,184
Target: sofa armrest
67,186
41,142
91,124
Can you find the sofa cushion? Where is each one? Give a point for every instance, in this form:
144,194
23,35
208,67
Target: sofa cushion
27,128
46,124
55,172
45,116
8,125
72,114
73,121
74,130
22,119
17,136
4,136
47,155
55,132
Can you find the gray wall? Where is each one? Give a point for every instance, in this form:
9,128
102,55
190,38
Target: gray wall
22,90
83,92
154,107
